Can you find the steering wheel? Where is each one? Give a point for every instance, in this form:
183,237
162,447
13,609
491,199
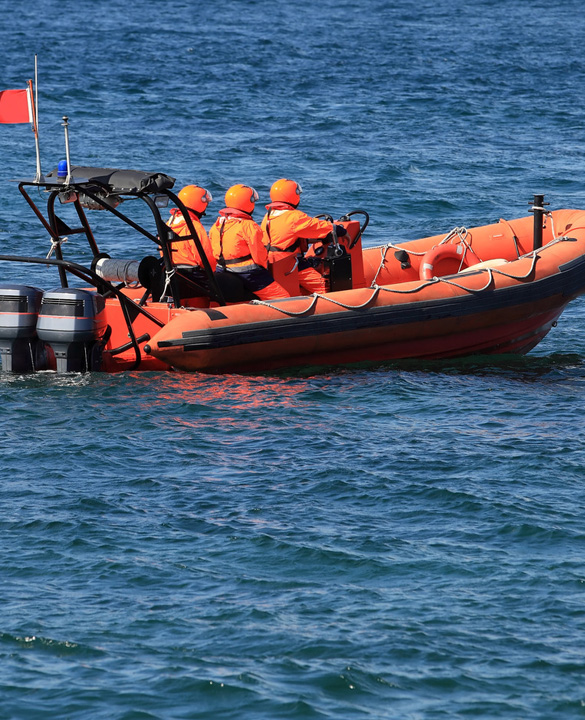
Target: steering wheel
347,216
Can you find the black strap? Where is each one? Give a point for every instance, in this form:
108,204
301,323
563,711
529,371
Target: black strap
221,259
269,246
232,261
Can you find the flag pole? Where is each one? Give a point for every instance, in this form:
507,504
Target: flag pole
35,113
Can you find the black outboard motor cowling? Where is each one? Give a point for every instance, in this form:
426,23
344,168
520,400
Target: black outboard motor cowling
20,349
72,322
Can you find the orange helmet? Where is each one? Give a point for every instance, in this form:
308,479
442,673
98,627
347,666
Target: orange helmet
195,198
241,197
287,191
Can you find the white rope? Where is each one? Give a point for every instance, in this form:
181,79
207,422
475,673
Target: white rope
471,290
461,232
265,303
549,214
423,285
54,245
317,296
352,307
169,275
377,288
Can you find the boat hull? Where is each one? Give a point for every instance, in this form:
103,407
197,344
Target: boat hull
482,312
493,289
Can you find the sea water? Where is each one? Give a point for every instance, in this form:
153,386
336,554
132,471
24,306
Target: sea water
395,541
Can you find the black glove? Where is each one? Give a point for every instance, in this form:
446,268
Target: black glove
340,230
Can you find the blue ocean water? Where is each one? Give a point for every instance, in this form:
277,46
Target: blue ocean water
400,541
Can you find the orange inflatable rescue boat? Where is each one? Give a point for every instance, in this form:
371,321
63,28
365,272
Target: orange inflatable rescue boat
498,288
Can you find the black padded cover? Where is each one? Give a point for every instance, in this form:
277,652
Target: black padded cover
117,181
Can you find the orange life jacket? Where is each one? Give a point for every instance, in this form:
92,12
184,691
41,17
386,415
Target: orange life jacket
237,241
288,230
184,252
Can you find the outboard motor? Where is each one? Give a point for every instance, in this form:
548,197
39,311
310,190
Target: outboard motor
20,349
72,322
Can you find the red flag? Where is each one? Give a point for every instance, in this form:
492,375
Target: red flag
16,106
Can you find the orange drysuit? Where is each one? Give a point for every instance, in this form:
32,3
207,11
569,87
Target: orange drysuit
184,252
288,230
238,247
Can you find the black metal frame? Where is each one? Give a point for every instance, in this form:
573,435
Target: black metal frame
164,238
99,192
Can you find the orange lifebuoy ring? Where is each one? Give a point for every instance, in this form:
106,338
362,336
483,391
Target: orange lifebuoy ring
449,251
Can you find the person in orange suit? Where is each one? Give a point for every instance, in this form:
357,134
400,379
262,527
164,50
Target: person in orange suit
289,230
238,247
184,253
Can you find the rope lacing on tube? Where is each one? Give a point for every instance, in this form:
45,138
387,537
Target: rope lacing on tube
534,254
